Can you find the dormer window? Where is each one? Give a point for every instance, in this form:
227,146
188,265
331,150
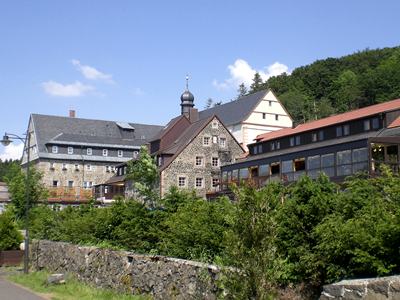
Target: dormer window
89,151
120,153
105,152
70,150
54,149
135,154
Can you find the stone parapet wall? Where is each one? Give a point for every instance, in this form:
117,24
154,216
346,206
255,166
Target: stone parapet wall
160,276
368,289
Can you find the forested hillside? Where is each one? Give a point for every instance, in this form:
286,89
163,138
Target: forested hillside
336,85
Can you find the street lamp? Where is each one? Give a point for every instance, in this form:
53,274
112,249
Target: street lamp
7,139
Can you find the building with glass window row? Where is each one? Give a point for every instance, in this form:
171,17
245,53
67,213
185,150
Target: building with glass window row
339,146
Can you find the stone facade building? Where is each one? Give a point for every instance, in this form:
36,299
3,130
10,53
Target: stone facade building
190,150
74,154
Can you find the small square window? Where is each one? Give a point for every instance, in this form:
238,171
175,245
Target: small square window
55,183
120,153
70,183
105,152
54,149
346,129
199,182
375,123
264,116
64,166
215,182
89,151
70,150
206,140
199,161
181,181
52,166
367,125
321,135
215,161
88,167
276,117
222,142
314,137
76,167
339,131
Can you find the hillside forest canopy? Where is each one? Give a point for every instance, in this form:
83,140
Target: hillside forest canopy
336,85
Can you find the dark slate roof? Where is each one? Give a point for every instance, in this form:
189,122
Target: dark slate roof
235,111
167,127
77,130
186,138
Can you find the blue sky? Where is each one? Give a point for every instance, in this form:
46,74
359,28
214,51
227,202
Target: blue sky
127,60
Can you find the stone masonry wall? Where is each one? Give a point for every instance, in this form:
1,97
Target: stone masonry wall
159,276
368,289
184,163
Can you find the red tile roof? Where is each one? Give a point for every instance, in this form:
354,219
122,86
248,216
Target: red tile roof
395,123
336,119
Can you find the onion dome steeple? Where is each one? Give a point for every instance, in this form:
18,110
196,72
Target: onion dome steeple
187,100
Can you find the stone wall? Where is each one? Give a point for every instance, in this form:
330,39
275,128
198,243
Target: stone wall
162,277
184,165
371,289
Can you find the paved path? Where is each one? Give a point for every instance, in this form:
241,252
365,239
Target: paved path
10,291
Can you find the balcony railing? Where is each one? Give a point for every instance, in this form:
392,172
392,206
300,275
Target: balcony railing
69,194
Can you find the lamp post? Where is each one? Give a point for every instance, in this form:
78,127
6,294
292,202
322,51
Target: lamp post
7,139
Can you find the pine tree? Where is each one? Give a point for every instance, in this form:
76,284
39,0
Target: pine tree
257,83
242,91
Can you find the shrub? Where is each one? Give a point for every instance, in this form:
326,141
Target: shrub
10,237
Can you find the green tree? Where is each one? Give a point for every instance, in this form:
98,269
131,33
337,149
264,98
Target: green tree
17,186
10,236
209,103
249,243
347,91
144,174
257,84
242,91
196,229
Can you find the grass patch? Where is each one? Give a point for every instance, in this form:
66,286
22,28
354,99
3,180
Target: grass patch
72,290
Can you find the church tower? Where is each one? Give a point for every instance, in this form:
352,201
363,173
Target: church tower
187,100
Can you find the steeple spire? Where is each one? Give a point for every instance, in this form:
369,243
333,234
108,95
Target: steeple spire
187,99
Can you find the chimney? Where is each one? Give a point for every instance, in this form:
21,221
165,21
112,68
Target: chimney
72,113
193,115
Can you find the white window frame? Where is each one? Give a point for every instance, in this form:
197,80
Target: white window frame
120,153
64,166
199,159
54,149
184,181
215,139
89,151
212,162
70,150
222,142
105,152
135,154
201,182
108,169
88,167
76,167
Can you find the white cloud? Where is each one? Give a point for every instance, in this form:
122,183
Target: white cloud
12,151
241,71
91,73
138,92
75,89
